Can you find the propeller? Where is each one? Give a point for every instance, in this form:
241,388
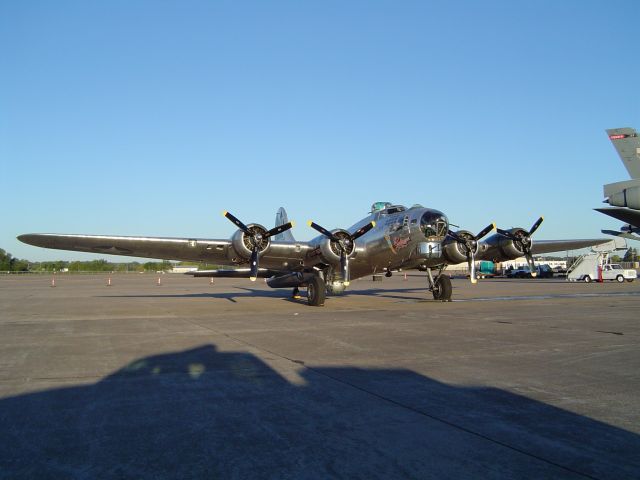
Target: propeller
522,238
470,242
258,239
343,242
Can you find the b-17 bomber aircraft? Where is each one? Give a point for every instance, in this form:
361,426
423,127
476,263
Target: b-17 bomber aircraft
391,237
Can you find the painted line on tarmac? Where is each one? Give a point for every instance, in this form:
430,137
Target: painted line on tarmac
550,297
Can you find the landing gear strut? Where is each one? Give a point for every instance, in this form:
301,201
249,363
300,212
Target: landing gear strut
440,286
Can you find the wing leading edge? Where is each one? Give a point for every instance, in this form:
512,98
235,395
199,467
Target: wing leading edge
549,246
194,249
216,251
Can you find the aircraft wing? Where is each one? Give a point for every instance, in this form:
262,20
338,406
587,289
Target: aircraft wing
548,246
632,217
186,249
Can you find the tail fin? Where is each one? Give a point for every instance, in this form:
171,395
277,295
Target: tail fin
627,144
281,219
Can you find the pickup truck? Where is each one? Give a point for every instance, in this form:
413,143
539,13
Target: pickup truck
614,271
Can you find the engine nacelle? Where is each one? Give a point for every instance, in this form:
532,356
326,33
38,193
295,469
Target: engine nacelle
501,248
330,251
243,244
453,251
629,197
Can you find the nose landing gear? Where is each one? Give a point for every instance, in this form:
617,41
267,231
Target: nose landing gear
440,286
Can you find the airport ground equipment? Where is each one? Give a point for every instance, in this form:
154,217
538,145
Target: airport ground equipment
595,265
586,267
390,238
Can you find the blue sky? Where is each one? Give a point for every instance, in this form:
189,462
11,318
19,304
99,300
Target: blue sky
152,117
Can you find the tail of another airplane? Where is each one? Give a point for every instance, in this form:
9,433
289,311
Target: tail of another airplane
627,144
281,219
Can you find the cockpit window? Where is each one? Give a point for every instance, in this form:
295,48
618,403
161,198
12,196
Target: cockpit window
378,206
394,209
434,224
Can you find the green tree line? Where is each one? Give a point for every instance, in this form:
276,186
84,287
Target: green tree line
10,264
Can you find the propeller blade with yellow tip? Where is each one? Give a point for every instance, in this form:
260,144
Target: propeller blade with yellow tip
280,228
322,230
485,230
536,225
253,264
236,222
363,230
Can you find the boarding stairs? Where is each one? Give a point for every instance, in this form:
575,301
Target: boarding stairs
586,267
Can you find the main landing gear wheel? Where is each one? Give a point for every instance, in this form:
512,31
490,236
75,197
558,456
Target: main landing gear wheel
316,291
587,279
442,289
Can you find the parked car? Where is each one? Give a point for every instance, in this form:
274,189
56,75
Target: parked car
520,272
543,271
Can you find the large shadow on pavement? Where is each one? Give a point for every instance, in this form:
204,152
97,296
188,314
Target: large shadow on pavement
202,413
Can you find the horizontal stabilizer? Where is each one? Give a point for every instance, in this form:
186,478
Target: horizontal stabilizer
627,215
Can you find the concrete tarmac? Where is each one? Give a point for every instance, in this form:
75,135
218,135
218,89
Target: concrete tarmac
513,379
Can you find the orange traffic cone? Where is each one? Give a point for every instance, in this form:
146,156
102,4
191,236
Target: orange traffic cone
405,276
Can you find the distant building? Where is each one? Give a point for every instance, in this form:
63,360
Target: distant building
508,264
522,262
183,269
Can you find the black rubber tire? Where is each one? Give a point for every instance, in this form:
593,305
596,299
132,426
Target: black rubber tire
316,291
629,280
587,279
620,279
442,289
